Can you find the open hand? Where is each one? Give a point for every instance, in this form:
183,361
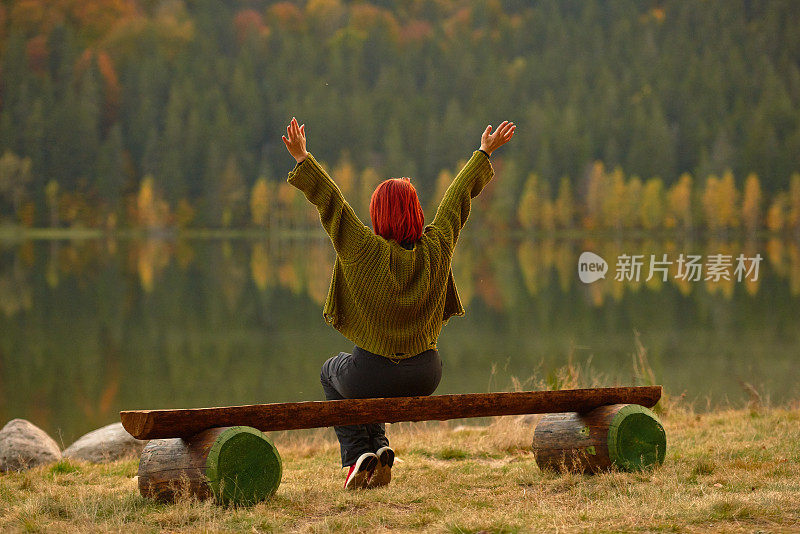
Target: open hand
492,141
295,140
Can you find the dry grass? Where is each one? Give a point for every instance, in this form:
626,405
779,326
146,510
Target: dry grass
726,471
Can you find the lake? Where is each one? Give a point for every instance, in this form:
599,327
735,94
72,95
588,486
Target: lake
91,327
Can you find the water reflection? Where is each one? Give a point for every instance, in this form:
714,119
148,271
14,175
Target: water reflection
303,265
94,326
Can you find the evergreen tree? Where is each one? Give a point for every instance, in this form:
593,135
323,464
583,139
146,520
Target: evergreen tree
173,169
111,175
405,88
651,212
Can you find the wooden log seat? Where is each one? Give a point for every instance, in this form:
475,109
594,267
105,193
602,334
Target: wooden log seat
627,436
181,423
237,465
222,453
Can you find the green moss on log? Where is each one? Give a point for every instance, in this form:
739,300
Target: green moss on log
243,466
636,439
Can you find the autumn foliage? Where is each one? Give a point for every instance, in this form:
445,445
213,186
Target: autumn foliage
160,114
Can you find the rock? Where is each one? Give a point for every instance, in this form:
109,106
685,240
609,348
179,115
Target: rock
105,444
24,445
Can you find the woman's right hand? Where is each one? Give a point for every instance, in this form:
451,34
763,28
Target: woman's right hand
295,140
492,141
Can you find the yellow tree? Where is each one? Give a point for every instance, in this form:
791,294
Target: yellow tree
260,202
564,205
151,210
594,196
530,203
751,204
651,207
776,214
679,203
615,200
51,196
547,214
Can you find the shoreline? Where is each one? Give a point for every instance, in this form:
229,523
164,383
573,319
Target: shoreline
20,233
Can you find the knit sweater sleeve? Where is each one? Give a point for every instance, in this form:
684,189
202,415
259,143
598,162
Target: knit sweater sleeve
347,232
454,209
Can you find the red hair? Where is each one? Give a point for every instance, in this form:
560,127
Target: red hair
396,212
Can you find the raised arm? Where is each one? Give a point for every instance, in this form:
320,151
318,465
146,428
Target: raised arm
454,208
347,232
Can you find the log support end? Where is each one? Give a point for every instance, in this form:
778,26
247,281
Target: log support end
236,465
625,436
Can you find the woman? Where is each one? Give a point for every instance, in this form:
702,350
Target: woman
392,290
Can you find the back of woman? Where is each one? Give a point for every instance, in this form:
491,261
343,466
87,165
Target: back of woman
391,291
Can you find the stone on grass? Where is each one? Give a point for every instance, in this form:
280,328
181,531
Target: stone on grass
105,444
24,445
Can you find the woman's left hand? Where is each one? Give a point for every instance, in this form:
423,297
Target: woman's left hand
295,140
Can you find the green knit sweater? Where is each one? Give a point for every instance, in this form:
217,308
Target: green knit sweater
384,298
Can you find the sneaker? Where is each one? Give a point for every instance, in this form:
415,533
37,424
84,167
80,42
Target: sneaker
360,472
383,472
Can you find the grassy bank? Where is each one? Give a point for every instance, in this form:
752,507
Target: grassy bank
725,471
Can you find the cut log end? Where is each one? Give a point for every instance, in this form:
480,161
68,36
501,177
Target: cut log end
237,465
636,439
243,466
137,423
626,436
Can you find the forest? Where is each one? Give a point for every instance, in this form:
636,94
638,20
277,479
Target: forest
650,115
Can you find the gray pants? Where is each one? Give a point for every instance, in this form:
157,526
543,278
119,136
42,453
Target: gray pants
363,375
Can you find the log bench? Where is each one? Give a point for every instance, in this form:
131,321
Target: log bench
223,453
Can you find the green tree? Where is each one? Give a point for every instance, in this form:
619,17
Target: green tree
111,174
172,167
233,193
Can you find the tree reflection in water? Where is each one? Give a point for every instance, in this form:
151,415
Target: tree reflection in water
89,327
